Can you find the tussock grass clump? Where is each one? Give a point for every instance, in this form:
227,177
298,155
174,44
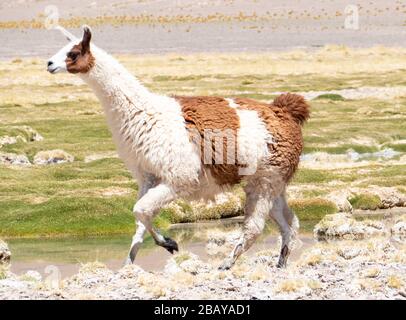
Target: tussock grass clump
313,176
369,284
290,285
331,96
313,259
229,204
394,282
365,201
372,273
311,209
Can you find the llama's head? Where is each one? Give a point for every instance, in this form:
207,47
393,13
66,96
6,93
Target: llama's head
75,57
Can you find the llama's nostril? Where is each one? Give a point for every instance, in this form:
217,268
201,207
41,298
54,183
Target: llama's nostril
50,63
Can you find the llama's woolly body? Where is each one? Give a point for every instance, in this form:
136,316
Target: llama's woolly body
160,140
148,129
151,136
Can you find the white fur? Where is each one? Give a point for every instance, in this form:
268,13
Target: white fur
158,142
232,103
151,137
57,64
253,139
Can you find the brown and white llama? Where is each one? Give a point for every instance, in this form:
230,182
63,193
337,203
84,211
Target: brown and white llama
195,147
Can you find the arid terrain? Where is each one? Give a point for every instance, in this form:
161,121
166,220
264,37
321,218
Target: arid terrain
64,192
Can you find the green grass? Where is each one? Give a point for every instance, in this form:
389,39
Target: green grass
68,199
330,96
312,209
314,176
67,216
365,202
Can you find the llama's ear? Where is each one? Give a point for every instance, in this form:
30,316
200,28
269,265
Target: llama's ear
69,36
87,37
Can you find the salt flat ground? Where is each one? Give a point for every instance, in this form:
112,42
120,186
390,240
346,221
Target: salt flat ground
201,26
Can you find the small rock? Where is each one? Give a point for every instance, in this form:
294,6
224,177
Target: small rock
31,276
5,253
349,253
100,156
399,228
14,159
22,134
130,271
6,140
343,225
31,134
390,197
52,157
13,284
340,199
187,262
220,243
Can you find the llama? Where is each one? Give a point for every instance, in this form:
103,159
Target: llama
160,140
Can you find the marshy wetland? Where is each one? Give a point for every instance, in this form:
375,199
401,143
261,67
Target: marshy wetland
66,199
354,159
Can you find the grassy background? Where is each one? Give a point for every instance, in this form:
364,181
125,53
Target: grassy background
74,198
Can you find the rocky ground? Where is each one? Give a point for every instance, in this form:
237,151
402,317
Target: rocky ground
372,268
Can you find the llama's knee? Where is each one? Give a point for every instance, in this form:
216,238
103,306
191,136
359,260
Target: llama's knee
253,228
143,215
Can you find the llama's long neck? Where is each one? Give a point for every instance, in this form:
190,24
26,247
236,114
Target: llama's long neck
120,93
130,108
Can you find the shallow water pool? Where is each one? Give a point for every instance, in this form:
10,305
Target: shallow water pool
68,254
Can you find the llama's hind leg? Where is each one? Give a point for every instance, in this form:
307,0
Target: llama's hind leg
288,225
164,242
145,209
257,208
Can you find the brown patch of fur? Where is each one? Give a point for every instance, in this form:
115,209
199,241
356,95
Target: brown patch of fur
80,59
286,132
213,113
294,104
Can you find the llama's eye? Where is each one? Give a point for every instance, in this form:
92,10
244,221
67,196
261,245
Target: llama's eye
73,55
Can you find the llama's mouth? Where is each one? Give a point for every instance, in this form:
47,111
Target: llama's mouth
53,71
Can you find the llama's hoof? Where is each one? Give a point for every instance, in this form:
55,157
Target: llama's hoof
226,265
283,258
127,262
170,245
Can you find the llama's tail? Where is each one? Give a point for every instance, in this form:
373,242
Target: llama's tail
295,104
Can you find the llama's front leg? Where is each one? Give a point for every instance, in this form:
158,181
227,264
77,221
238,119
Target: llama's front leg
256,210
137,240
146,181
145,210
